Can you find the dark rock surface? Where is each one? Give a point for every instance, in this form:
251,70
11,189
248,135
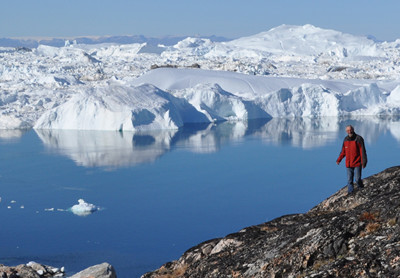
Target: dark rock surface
354,235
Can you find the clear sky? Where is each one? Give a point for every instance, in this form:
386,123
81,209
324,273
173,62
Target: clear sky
228,18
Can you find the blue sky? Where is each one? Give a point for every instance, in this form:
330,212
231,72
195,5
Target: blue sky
228,18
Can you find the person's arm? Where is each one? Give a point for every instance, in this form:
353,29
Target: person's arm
363,151
341,155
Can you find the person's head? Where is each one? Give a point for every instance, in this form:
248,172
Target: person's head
350,130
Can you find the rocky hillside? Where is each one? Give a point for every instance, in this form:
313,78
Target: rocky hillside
354,235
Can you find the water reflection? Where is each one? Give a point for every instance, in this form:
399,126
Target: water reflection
116,149
11,134
105,148
300,132
309,133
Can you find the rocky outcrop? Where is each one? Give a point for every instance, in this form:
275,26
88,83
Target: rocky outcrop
355,235
103,270
31,270
35,270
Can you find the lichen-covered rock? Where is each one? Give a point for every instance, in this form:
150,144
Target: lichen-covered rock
354,235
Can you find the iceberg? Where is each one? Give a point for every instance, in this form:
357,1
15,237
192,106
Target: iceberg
308,40
83,208
288,71
218,104
170,98
121,108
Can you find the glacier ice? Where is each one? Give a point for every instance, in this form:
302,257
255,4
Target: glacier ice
288,71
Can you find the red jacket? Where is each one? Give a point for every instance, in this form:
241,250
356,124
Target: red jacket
354,150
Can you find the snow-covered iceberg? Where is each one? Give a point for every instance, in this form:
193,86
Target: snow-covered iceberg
218,104
288,71
308,40
83,208
281,96
121,108
170,98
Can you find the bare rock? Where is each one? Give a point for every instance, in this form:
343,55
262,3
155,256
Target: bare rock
30,270
104,270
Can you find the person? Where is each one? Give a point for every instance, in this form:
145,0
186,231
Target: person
353,149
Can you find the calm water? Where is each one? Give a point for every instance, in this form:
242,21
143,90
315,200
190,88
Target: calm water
164,192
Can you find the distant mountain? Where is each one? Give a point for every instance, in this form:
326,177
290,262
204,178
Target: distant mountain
58,42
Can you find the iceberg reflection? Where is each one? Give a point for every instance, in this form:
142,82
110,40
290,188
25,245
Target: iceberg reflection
11,134
106,148
117,149
305,133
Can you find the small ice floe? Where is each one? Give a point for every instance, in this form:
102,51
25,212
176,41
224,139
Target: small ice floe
49,209
8,207
13,202
83,208
22,207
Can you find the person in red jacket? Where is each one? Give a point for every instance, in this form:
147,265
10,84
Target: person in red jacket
356,157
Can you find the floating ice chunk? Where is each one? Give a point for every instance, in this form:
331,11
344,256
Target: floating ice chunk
49,209
83,208
9,207
22,207
13,202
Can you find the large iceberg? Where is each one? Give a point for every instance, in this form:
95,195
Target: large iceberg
196,96
288,71
118,107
